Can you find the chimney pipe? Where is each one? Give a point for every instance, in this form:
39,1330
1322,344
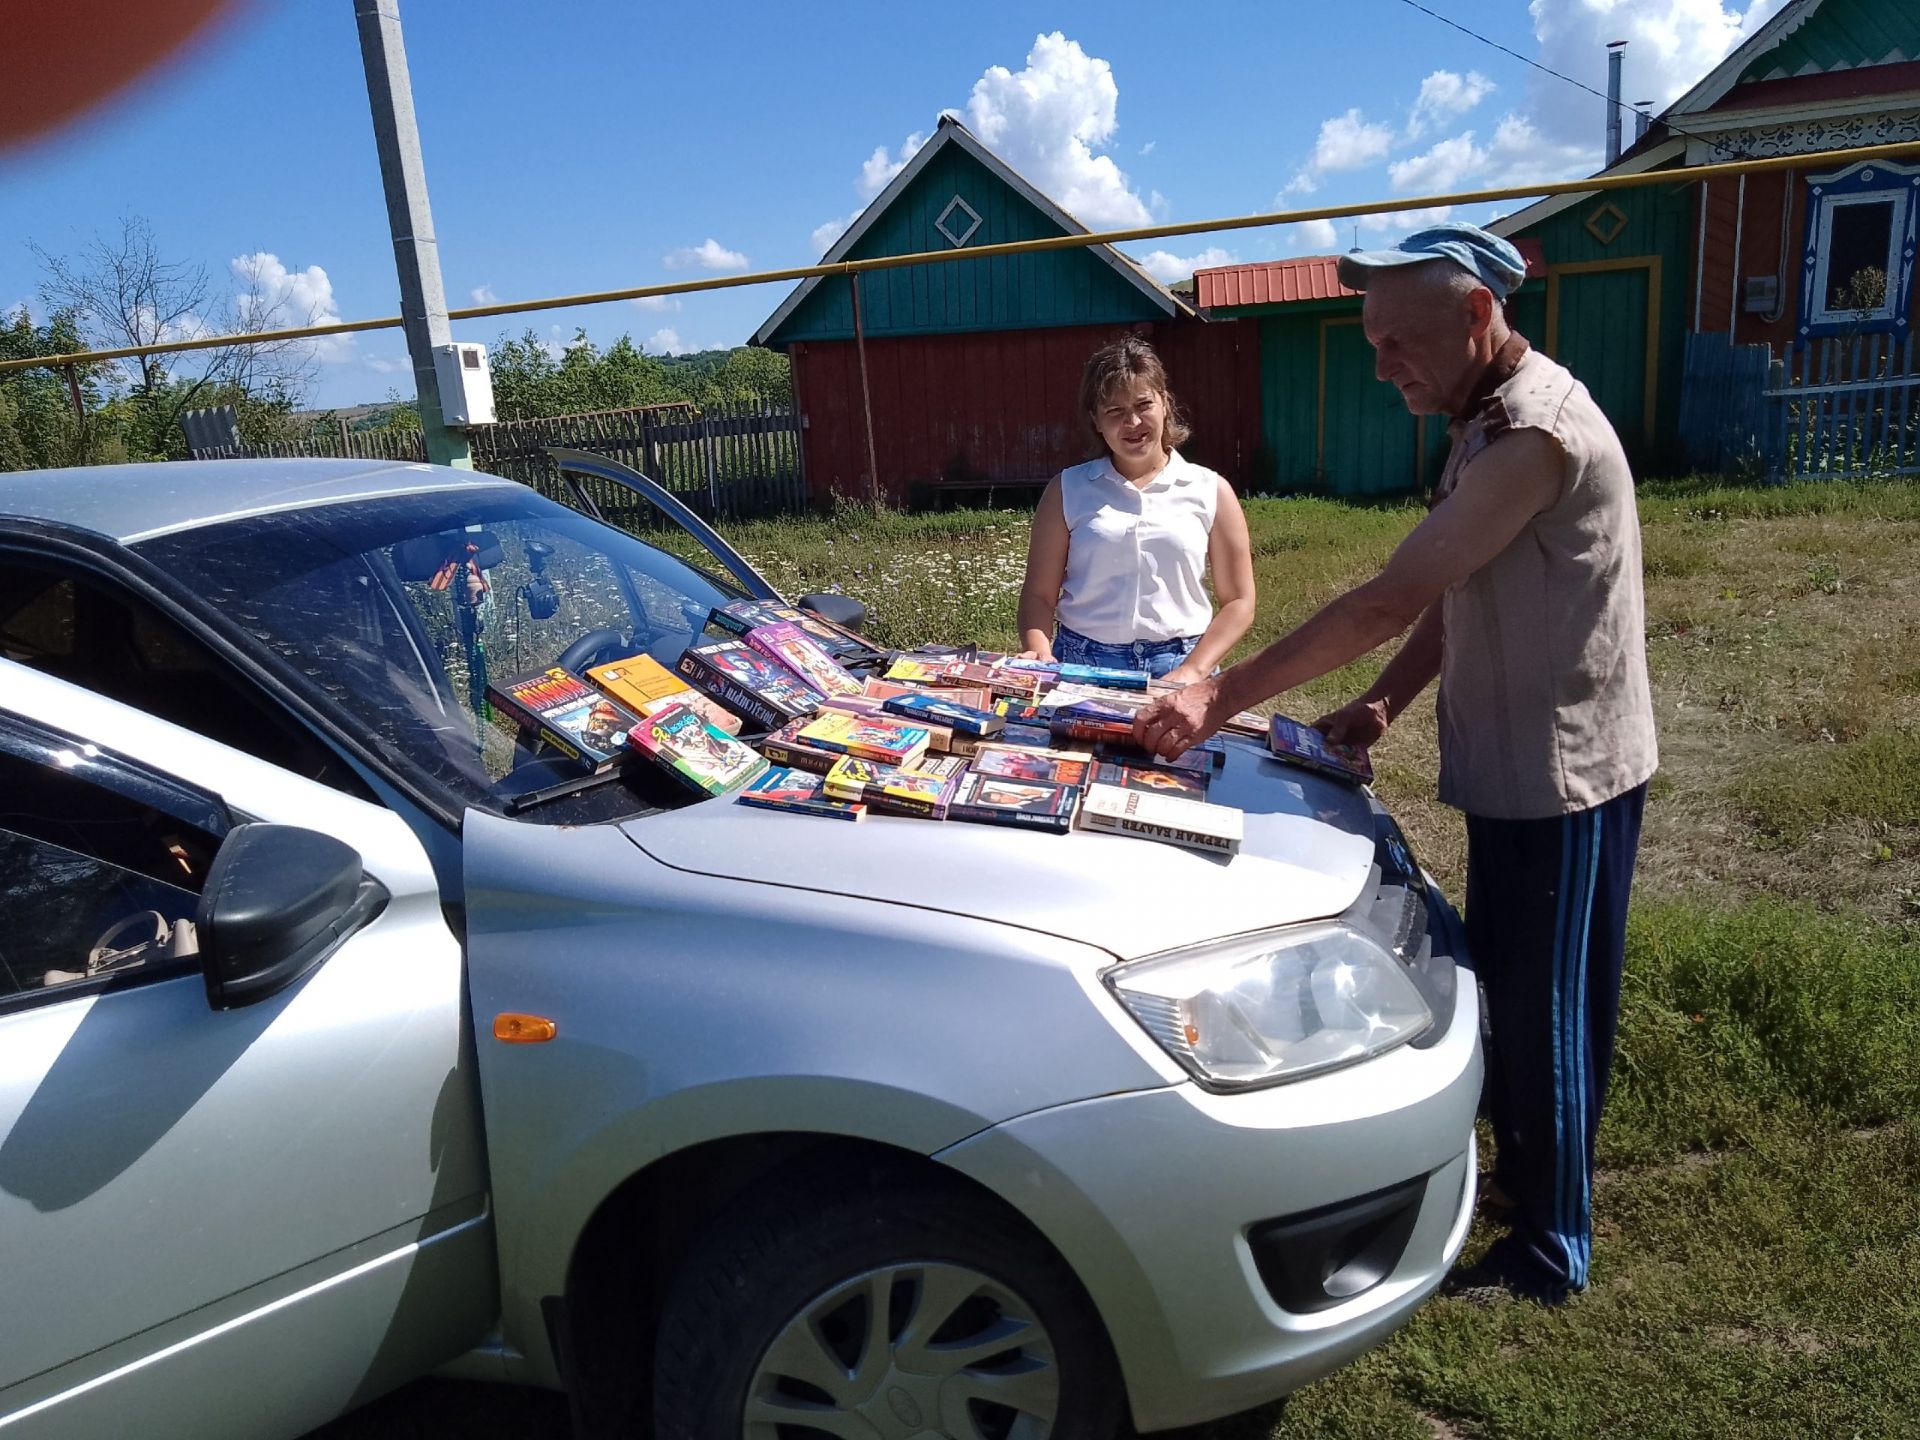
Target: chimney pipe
1614,52
1642,117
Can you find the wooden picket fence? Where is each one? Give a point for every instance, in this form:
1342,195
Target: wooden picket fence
1845,407
728,461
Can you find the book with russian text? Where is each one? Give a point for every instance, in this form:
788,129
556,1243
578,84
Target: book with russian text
1190,784
780,788
888,741
849,647
1169,818
923,789
568,713
1306,747
1094,720
707,760
1023,762
643,685
929,708
801,653
1000,800
735,618
785,747
1202,759
755,688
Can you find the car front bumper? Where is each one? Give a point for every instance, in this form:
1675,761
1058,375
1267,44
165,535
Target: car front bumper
1188,1216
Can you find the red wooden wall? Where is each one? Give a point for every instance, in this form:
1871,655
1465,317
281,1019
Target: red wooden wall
1002,405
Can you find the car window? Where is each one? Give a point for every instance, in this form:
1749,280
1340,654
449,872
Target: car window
101,867
83,630
397,612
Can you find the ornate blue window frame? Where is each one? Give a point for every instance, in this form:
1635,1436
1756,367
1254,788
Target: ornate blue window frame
1869,182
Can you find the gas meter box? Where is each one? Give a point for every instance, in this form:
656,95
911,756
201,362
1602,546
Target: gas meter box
466,384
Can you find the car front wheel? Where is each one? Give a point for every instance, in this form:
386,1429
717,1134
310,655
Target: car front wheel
880,1307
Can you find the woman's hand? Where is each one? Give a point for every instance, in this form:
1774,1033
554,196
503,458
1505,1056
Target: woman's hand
1045,657
1183,675
1358,722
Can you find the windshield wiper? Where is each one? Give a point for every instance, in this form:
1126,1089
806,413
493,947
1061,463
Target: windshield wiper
540,794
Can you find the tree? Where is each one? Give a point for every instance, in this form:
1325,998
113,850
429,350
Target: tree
532,377
122,292
38,427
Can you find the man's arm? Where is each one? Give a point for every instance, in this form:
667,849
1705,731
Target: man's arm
1365,720
1502,490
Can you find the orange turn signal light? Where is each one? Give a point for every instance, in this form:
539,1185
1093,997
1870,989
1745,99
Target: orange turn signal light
517,1029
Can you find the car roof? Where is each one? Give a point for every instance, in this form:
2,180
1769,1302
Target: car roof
137,502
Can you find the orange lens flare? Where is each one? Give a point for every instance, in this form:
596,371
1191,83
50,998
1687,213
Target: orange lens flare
514,1028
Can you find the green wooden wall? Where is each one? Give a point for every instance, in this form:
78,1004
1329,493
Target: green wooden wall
1059,287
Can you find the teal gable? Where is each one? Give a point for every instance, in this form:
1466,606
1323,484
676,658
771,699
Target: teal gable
955,194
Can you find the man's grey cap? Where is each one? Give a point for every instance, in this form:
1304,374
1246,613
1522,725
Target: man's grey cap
1492,261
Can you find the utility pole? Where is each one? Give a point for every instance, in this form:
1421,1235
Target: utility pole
416,254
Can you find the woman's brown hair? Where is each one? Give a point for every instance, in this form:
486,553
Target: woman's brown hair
1122,363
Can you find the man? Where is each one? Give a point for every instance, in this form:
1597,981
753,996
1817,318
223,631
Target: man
1523,589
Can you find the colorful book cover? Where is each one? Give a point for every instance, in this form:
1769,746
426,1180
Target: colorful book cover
1035,735
932,708
569,713
1170,818
783,789
643,685
1306,747
924,789
709,760
1020,762
1202,759
915,670
1046,668
890,742
1093,720
999,800
785,747
1158,779
801,653
854,705
737,617
1249,723
748,683
844,645
1103,675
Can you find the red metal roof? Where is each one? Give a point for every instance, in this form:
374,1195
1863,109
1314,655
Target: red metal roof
1312,277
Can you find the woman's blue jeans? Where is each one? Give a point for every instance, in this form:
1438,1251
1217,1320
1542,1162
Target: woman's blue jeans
1156,657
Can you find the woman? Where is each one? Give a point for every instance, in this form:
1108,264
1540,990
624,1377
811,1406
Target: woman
1121,546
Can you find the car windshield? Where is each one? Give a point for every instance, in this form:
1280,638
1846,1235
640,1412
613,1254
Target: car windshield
397,611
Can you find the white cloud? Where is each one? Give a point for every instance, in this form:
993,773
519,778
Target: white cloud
1405,222
483,295
1445,94
1672,44
1159,204
1349,142
880,168
656,302
272,297
1147,149
1317,234
388,365
664,342
824,235
1167,267
710,254
1048,120
1441,168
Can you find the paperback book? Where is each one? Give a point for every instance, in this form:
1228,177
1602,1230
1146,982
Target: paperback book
792,647
785,747
1034,735
1202,759
1019,762
965,719
849,647
737,617
643,685
1153,778
567,713
923,789
1169,818
755,688
708,760
998,800
890,742
1103,675
1094,720
1306,747
972,695
798,791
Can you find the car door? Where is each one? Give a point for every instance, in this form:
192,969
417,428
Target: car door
215,1223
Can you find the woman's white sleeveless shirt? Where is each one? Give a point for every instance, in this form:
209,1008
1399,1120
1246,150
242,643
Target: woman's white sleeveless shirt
1137,558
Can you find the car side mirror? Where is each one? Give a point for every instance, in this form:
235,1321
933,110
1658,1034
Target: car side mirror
841,609
278,901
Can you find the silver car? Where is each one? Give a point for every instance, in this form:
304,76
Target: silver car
343,1039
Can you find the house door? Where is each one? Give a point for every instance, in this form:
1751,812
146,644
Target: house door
1602,323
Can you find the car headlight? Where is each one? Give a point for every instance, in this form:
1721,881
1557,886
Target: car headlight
1274,1007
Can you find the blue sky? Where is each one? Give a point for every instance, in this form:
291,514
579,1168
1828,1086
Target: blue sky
594,145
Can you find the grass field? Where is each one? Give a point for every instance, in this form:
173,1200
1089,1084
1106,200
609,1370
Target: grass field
1757,1260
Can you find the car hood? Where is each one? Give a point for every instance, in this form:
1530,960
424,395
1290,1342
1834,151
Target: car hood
1307,852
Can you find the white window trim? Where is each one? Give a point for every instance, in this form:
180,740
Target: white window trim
1900,196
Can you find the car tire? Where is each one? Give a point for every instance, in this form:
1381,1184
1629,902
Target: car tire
987,1334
